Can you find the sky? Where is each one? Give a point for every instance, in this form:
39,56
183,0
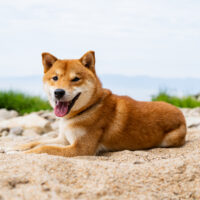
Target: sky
130,37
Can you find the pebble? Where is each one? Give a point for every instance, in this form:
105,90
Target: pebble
2,150
16,131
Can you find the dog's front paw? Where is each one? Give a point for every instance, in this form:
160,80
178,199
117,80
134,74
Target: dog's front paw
13,149
24,147
10,150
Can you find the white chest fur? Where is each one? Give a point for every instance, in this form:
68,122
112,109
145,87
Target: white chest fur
69,132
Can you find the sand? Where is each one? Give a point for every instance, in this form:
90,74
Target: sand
172,173
161,173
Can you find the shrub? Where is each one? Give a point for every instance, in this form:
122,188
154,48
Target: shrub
22,103
184,102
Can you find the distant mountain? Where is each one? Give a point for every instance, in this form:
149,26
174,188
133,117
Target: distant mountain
138,87
143,87
28,84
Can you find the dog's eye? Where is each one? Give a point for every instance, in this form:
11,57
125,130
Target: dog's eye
75,79
55,78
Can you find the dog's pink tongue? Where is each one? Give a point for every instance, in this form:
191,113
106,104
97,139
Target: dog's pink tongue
61,109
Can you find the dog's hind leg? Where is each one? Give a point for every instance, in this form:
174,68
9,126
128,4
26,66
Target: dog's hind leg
175,138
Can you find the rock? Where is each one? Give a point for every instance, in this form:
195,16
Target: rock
16,131
7,114
192,117
193,121
29,133
32,121
2,150
4,129
191,112
4,132
196,96
55,125
50,116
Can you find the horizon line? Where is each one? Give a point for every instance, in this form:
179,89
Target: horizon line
109,74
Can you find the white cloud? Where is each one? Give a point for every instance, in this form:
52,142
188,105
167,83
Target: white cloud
156,38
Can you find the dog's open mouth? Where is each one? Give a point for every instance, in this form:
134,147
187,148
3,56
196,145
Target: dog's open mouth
62,108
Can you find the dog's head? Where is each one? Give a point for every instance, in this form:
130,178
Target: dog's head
71,85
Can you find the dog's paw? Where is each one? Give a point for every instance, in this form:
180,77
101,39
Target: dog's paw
24,147
15,148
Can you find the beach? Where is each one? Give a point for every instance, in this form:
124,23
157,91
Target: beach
159,173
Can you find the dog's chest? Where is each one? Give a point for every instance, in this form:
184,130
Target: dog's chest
71,133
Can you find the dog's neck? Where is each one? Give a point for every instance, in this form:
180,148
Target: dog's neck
99,99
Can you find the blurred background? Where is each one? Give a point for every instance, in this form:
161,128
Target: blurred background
141,46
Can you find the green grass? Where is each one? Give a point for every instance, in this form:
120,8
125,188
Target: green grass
22,103
182,102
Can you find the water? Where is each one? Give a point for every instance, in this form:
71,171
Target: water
138,87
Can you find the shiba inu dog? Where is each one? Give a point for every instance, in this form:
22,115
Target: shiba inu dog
93,119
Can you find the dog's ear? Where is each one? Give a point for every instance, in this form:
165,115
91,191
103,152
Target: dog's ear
47,61
88,60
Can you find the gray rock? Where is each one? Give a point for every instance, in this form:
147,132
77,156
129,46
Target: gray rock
16,131
2,150
30,133
4,133
50,116
31,121
7,114
192,117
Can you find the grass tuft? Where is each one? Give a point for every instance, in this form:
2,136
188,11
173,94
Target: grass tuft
22,103
182,102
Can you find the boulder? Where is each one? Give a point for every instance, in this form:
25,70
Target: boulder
30,133
4,133
31,121
192,117
16,131
7,114
47,115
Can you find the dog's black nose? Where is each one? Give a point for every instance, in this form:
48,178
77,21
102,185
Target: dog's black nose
59,93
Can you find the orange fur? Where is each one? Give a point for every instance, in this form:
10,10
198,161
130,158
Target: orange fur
101,120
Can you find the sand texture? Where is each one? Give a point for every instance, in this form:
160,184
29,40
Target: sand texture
161,173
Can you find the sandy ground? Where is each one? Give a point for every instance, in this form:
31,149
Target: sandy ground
172,173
